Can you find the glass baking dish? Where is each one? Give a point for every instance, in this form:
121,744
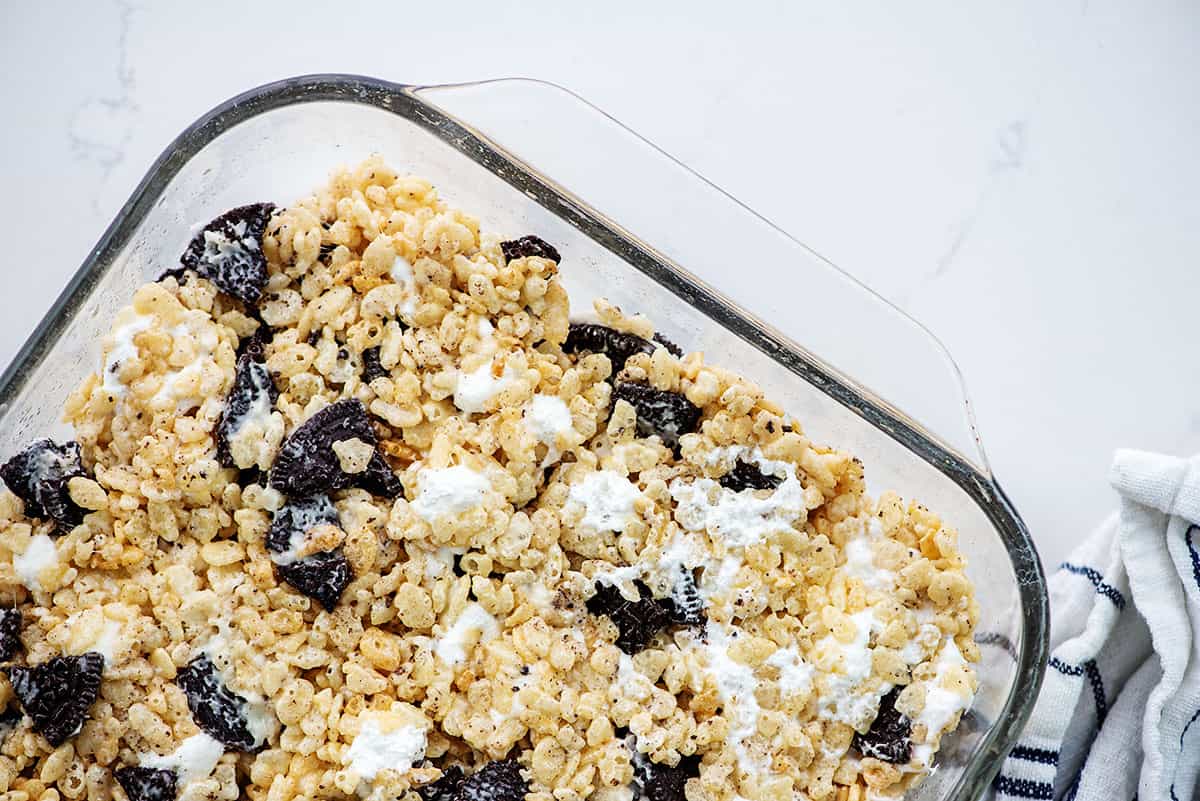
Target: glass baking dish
650,235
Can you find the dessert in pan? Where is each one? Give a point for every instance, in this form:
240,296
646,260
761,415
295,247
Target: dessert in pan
358,506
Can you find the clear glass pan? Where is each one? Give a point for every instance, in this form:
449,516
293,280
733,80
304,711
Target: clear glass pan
639,228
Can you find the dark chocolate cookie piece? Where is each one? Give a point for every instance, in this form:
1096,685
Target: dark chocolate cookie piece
9,719
10,633
529,246
379,478
58,693
228,251
38,476
667,414
496,781
217,710
322,577
372,368
618,346
671,347
889,738
252,398
637,621
255,345
745,475
147,784
307,464
653,781
445,788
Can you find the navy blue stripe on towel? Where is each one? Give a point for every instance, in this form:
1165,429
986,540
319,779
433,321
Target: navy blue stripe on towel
1024,788
1191,720
1093,676
1043,756
1187,537
1091,574
1064,668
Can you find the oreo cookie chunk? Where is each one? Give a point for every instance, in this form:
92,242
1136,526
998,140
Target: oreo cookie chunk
147,784
637,621
219,712
322,576
39,475
745,475
58,693
669,415
228,251
307,464
529,246
618,346
653,781
496,781
10,633
251,400
889,738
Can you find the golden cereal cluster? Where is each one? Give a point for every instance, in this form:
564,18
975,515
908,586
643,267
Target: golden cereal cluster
525,488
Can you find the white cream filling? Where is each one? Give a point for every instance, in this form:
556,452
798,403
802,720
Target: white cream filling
441,561
306,515
260,721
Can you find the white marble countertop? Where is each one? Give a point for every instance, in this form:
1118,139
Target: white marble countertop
1019,177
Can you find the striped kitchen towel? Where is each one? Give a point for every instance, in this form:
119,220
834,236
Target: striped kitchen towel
1118,716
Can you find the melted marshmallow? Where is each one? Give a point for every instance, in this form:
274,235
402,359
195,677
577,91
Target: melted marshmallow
449,491
736,684
741,518
943,703
375,749
107,640
473,624
441,561
122,349
194,759
547,416
632,683
607,498
843,699
402,273
476,389
860,559
39,555
183,384
794,673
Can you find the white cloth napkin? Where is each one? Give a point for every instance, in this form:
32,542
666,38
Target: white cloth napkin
1118,716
